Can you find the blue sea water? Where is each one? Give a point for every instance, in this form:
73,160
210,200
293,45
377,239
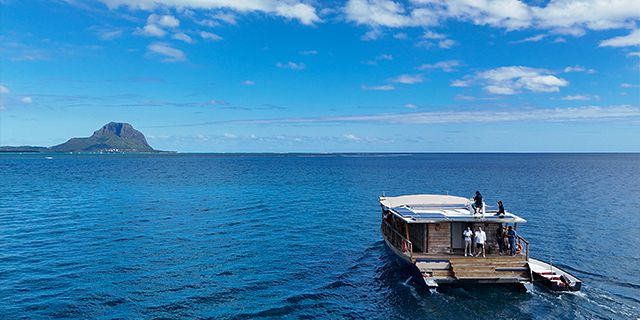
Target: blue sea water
297,236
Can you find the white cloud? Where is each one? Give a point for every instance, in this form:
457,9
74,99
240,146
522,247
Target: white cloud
381,57
151,30
309,52
560,16
433,35
230,136
386,87
633,54
514,79
156,24
291,65
583,113
109,34
248,82
371,35
535,38
447,43
26,100
351,137
408,79
579,68
226,17
182,37
460,83
630,40
169,53
4,89
163,20
629,85
580,97
446,66
401,36
410,106
210,36
290,9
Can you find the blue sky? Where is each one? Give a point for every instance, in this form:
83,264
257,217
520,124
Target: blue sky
325,76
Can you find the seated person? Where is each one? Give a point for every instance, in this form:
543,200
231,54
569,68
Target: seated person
500,209
477,202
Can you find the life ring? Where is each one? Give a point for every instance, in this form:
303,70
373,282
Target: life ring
518,248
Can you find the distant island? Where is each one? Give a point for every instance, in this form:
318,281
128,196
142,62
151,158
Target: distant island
113,137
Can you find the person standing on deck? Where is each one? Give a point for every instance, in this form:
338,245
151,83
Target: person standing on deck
477,202
500,239
468,245
512,235
481,238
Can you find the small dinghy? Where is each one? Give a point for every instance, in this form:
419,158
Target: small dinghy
554,278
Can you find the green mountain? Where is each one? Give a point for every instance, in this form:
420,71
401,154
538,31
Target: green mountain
115,137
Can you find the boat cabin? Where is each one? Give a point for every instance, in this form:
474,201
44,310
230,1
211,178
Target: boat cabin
423,225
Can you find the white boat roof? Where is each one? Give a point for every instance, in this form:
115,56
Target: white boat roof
433,208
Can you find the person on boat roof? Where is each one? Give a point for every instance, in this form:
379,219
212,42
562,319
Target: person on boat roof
512,235
477,202
500,209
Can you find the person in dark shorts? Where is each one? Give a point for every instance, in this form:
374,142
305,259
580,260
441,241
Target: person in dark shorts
481,238
477,202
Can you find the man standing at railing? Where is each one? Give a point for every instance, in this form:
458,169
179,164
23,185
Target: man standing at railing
512,235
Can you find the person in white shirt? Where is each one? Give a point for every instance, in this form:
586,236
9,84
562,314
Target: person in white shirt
481,238
468,245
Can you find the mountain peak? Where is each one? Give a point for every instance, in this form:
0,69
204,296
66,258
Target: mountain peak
112,137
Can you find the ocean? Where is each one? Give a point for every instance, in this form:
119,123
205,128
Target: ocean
296,236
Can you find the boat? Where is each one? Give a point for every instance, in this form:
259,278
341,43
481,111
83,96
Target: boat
425,231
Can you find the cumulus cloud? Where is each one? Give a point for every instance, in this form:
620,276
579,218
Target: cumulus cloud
410,105
156,25
630,40
290,9
408,79
514,79
169,53
446,66
560,16
4,89
26,100
386,87
291,65
248,82
210,36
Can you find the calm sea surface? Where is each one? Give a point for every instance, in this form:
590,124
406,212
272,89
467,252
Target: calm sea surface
297,236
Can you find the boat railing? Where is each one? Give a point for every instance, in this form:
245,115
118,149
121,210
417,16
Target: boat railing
396,239
526,245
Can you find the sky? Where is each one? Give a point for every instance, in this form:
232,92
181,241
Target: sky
325,76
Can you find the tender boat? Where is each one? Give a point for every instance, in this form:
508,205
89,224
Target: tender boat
425,231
